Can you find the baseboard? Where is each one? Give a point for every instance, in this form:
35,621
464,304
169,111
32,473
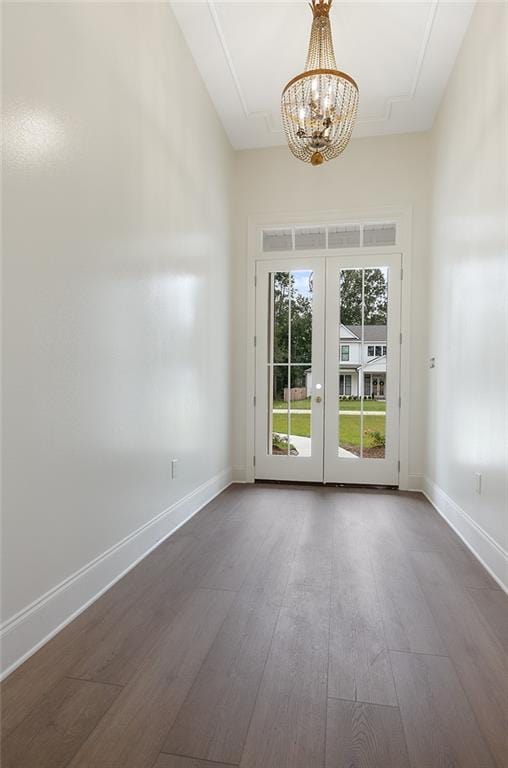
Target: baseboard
239,475
28,630
490,554
414,483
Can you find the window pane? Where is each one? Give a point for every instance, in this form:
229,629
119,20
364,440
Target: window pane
379,234
310,238
300,422
301,316
350,297
278,409
344,236
375,373
279,301
278,240
374,425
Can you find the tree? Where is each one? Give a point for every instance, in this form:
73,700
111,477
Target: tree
375,297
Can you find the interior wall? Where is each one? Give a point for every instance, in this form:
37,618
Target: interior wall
372,172
468,298
117,263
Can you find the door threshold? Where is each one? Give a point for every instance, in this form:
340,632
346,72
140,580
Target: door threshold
366,486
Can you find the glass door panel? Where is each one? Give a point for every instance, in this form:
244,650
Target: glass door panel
289,366
362,370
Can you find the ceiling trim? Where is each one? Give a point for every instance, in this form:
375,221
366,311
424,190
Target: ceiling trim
384,117
267,116
418,71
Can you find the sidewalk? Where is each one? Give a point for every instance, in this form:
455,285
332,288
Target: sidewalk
303,446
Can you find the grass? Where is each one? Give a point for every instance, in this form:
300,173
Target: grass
344,405
349,433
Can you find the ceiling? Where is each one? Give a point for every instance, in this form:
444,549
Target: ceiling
401,55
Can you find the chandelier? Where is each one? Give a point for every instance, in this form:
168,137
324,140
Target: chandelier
319,106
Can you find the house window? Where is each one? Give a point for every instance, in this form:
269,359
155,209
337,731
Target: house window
366,385
379,351
345,384
344,352
370,351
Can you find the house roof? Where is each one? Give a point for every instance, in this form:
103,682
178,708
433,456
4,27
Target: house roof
374,333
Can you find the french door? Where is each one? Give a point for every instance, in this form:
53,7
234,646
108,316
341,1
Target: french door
327,369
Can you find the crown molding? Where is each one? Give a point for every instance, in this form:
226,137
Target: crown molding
268,117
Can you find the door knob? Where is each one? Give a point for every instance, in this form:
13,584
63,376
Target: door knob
318,399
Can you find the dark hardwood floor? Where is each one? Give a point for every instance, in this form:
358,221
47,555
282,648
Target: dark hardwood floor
281,627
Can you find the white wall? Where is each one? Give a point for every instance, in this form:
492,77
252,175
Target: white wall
468,305
373,172
116,295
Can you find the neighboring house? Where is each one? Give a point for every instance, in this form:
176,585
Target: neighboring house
362,362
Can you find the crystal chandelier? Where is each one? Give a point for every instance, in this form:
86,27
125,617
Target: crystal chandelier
319,106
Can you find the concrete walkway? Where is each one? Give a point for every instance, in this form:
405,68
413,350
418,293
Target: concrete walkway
303,446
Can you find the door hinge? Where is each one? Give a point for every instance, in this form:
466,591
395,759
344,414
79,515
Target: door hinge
255,340
402,273
254,400
400,402
255,281
400,339
398,465
253,461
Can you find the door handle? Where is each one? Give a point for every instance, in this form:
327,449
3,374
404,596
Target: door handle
318,399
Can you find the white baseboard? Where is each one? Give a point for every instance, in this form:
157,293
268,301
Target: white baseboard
28,630
414,483
239,475
490,554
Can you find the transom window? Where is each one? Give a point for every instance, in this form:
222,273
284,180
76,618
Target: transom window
354,235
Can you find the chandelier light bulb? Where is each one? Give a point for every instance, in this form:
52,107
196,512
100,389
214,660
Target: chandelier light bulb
319,106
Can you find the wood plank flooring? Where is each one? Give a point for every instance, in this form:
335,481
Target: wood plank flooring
281,627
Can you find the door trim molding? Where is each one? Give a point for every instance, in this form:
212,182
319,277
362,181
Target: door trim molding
402,216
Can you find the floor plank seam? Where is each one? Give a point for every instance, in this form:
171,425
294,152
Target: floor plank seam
361,701
93,682
419,653
199,759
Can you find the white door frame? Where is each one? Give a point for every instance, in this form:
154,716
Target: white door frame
402,216
375,471
307,468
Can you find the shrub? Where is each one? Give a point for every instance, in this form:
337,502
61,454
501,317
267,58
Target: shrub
377,438
280,443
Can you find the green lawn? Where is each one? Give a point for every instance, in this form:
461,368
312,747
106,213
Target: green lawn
349,427
344,405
